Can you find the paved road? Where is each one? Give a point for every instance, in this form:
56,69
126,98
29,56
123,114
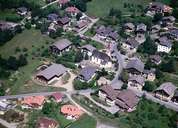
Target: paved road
49,4
6,124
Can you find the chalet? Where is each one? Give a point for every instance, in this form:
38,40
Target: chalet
51,73
149,75
22,11
157,7
87,73
164,45
130,44
87,49
63,2
71,111
155,59
73,11
168,21
33,102
45,122
108,94
63,21
165,91
155,28
136,82
4,25
175,97
57,97
61,46
127,100
129,27
174,33
53,17
101,59
80,26
141,28
135,66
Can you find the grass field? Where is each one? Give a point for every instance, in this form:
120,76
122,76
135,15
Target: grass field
101,7
34,42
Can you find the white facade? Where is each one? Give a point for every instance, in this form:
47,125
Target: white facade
161,48
99,62
134,85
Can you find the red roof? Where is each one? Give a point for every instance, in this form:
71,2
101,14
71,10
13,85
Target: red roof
45,122
57,96
63,1
33,100
72,10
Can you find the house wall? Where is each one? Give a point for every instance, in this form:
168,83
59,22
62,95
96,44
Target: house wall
134,85
162,96
161,48
98,61
110,102
102,95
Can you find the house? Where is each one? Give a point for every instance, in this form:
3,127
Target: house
127,100
52,17
87,73
135,66
4,25
44,122
164,44
175,97
51,73
33,102
71,111
141,28
80,26
168,21
155,28
113,35
149,75
130,44
73,11
136,82
108,94
4,106
129,27
22,11
101,59
87,49
174,33
61,46
63,2
57,96
158,7
155,59
103,81
63,21
165,91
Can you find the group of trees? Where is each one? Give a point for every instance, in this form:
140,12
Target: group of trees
80,4
79,85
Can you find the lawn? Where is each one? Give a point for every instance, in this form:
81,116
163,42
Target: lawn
85,121
101,8
34,42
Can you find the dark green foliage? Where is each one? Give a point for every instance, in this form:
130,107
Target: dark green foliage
28,25
149,86
115,13
169,66
80,4
124,86
78,57
79,85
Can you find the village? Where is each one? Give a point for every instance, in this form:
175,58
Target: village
86,70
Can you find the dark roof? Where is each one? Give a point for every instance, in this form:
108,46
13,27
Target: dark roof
169,18
22,9
146,71
176,93
102,30
81,24
132,42
139,79
45,122
101,55
155,58
52,71
114,35
167,87
62,44
141,27
109,91
128,98
64,20
135,64
53,17
165,41
4,25
174,31
88,47
87,72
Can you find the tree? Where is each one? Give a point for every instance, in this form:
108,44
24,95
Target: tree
78,56
115,13
22,61
149,86
124,86
48,108
28,25
78,16
175,12
157,17
169,66
12,63
148,47
175,49
124,76
80,4
59,31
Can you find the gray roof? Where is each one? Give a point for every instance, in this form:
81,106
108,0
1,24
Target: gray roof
52,71
167,87
146,71
165,41
102,30
127,97
64,20
176,93
88,47
141,27
103,56
53,17
4,25
132,42
174,31
155,58
62,44
87,72
135,64
114,35
139,79
129,25
109,91
169,18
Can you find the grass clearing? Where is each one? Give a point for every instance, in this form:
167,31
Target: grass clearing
101,8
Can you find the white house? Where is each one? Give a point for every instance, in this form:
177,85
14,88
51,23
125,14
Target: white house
164,45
